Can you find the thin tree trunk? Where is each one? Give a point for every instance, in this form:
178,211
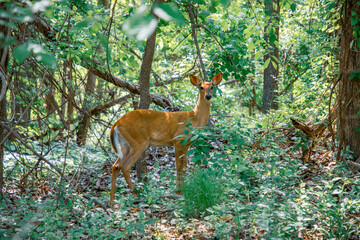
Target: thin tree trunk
271,37
193,32
20,104
2,134
84,124
145,99
349,81
86,116
4,62
70,107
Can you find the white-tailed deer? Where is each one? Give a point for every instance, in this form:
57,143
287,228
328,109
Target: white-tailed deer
136,130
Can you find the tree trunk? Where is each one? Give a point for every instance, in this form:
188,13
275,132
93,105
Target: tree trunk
105,3
2,132
71,94
4,62
145,99
271,72
21,101
349,80
85,122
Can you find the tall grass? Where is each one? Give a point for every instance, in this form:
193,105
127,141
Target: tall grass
202,189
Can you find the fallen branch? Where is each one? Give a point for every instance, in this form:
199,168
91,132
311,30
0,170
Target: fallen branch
354,164
303,128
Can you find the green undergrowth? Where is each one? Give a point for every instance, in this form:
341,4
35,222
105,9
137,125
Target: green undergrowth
245,181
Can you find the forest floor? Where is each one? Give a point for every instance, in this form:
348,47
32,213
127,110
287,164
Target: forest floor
267,193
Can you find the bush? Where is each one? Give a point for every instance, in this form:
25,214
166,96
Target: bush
203,188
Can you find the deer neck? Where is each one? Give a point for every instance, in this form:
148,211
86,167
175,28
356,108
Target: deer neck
202,112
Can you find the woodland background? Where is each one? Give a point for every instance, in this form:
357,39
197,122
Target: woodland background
278,160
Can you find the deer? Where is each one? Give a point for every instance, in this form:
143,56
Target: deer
132,133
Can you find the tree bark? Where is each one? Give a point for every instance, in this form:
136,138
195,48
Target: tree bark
193,32
105,3
21,101
4,62
349,80
271,72
2,133
71,94
144,80
86,116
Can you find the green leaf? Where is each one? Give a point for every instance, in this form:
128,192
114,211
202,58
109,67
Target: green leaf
83,24
183,142
140,25
21,52
191,151
274,65
47,59
266,64
225,2
293,7
169,12
87,44
8,41
258,55
251,46
151,221
354,21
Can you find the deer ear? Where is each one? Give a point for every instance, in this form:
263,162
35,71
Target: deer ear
195,80
217,79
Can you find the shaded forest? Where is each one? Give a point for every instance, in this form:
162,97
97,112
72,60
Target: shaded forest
277,156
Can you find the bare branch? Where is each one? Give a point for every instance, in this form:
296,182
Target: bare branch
192,21
29,147
132,88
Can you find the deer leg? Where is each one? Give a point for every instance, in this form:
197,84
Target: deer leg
181,165
116,167
115,172
126,167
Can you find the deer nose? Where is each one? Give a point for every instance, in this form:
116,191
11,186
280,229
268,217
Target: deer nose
208,96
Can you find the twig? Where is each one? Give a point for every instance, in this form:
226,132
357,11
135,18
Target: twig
63,170
16,135
191,15
329,109
3,83
96,201
7,201
222,150
41,83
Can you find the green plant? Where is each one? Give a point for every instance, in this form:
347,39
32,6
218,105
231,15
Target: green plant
203,188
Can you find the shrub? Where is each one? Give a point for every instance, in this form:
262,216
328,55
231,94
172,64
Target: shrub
203,188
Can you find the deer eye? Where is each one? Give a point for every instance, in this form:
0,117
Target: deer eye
211,87
202,88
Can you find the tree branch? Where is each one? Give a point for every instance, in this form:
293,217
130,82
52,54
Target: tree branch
132,88
49,33
29,147
192,21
